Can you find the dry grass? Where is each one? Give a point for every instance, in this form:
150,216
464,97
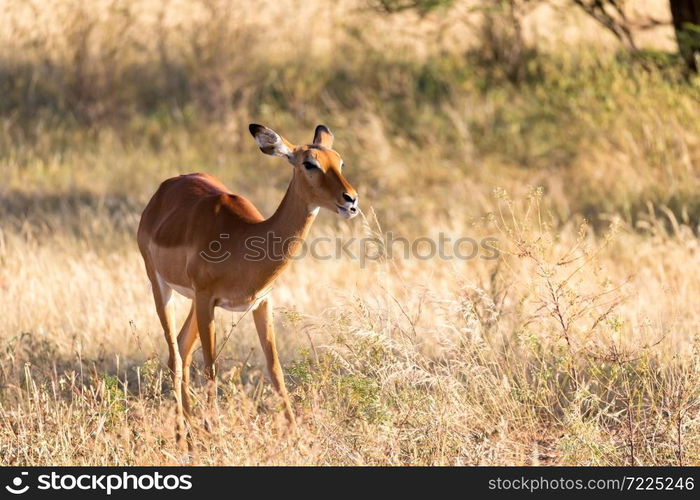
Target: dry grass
578,346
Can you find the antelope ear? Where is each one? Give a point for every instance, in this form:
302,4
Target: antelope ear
323,137
270,142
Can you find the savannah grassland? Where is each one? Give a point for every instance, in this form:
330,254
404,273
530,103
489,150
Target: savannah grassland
579,345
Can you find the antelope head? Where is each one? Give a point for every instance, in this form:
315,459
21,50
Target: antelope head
317,167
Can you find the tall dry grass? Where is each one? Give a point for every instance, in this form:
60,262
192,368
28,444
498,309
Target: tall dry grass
577,346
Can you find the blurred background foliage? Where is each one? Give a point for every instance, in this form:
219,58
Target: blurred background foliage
590,99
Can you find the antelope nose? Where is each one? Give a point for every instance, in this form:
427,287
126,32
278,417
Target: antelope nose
349,198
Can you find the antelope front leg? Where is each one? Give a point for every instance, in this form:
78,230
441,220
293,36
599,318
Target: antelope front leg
185,342
204,314
263,323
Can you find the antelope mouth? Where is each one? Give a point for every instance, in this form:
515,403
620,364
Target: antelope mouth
347,213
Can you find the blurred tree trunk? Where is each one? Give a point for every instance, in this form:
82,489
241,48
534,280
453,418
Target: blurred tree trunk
686,21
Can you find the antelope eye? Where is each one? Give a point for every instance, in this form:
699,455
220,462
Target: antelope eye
308,165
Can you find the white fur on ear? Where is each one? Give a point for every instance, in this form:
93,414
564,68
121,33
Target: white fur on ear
270,142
